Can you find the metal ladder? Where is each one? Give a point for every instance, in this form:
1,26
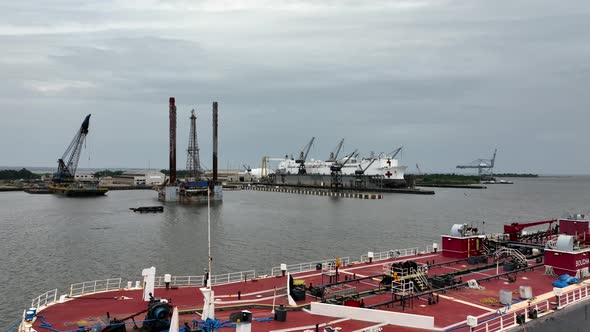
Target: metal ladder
485,248
420,277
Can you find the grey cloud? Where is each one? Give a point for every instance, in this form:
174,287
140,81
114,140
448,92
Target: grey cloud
449,80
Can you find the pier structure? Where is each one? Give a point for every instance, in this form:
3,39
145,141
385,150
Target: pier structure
317,192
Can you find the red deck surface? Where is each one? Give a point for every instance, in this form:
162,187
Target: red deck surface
453,306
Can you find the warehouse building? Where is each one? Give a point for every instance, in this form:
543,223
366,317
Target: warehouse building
84,177
140,178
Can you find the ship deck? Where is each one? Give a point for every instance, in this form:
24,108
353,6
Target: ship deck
257,295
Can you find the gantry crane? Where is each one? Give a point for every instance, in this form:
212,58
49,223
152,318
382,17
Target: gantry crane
68,163
264,166
303,156
485,167
336,172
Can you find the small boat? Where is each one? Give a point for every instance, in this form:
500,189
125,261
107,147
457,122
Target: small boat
143,209
38,189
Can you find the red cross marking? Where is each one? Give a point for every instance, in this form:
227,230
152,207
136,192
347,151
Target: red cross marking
388,174
389,162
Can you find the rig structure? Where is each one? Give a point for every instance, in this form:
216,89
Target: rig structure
193,162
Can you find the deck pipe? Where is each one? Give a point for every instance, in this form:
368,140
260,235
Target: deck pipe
458,285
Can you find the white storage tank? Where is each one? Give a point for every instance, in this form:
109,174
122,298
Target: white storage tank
457,230
565,243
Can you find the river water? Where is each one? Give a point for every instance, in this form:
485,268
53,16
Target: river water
50,242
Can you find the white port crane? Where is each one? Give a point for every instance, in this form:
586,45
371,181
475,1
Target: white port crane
485,167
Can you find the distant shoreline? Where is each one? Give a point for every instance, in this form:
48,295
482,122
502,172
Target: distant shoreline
113,188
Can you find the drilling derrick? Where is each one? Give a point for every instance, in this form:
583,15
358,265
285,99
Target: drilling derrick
193,163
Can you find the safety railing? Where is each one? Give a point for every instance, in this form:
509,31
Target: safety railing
430,248
89,287
181,281
572,296
233,277
509,320
377,256
309,266
44,299
521,316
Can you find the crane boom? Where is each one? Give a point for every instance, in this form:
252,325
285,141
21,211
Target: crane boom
350,156
514,230
66,171
361,171
334,154
304,152
337,167
395,152
493,160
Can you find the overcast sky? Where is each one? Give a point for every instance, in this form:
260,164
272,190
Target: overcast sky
448,80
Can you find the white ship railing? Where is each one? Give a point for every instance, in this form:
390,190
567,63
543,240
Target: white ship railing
199,281
430,249
44,299
542,307
89,287
377,256
309,266
222,279
181,281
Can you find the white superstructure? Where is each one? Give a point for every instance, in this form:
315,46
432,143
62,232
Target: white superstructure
384,166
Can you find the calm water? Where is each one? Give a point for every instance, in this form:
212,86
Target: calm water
50,242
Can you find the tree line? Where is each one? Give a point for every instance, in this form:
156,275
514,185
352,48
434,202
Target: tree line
24,174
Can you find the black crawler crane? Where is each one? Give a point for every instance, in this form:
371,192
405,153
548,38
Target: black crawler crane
68,163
